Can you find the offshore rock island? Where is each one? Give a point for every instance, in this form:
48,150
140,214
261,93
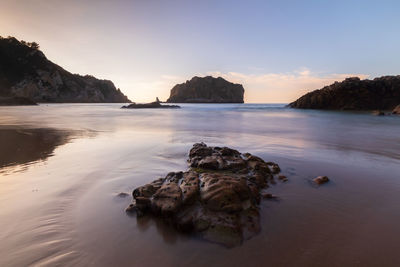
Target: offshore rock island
217,198
354,94
26,72
207,90
155,104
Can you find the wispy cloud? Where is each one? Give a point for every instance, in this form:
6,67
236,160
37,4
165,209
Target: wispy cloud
282,87
259,88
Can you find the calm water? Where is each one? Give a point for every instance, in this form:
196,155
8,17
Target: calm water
62,166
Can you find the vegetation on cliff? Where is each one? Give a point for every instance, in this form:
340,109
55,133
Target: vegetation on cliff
26,72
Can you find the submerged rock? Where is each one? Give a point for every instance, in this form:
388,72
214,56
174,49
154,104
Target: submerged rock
217,198
122,195
155,104
321,180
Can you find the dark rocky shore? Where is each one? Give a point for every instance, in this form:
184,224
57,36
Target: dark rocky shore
217,198
354,94
207,90
16,101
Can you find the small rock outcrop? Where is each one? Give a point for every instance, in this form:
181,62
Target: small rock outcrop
396,110
207,90
26,72
354,94
321,180
150,105
16,101
217,198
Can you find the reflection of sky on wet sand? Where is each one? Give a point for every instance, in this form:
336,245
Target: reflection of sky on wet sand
24,145
65,209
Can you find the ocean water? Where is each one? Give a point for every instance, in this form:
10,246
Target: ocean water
62,167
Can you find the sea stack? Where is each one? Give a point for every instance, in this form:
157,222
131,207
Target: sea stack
207,90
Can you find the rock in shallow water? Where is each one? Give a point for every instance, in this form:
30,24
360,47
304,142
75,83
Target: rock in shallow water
156,104
217,198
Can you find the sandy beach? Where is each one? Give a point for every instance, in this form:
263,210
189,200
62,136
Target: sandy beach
60,205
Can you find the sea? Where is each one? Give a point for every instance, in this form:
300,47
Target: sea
63,167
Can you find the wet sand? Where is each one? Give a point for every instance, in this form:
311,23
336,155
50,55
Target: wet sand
65,209
20,146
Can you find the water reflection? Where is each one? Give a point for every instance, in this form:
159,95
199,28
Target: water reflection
25,145
167,232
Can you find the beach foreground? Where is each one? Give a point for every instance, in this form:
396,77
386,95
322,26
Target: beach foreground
62,204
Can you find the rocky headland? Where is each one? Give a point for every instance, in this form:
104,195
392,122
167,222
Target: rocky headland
217,198
26,72
207,90
354,94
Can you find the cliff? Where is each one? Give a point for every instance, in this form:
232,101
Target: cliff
207,90
354,94
26,72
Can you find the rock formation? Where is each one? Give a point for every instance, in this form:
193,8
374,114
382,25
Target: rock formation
150,105
26,72
354,94
217,198
207,90
16,101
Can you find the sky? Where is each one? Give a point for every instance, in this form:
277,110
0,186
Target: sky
278,50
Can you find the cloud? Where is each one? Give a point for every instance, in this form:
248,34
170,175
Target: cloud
259,88
281,87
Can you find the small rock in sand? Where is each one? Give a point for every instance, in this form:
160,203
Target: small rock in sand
321,180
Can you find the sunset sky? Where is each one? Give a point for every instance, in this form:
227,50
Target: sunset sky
277,49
